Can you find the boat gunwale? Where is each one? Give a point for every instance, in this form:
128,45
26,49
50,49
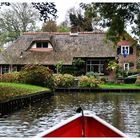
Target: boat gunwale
86,114
59,125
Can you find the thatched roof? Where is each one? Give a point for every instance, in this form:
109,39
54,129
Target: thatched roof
65,48
2,61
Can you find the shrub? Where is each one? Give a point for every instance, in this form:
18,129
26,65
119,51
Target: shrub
74,70
138,80
90,74
130,80
133,73
9,77
112,65
104,79
36,75
121,73
85,81
68,70
63,80
93,74
58,66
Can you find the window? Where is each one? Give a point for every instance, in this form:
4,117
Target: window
14,69
45,44
131,50
125,50
95,66
42,45
5,69
126,66
118,50
38,45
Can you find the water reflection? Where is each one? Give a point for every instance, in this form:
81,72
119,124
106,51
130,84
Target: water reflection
119,109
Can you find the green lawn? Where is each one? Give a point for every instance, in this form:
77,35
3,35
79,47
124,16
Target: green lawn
10,90
112,85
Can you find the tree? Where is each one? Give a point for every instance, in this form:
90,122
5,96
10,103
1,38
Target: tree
115,16
47,10
4,3
49,26
112,65
136,29
58,66
16,19
22,17
91,15
63,27
82,22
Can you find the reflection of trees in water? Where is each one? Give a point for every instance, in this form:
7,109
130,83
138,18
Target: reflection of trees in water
117,114
131,111
73,100
37,110
126,111
114,115
122,110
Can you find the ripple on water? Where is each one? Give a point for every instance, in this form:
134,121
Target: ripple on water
120,110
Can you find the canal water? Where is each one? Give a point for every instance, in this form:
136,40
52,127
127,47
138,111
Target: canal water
122,110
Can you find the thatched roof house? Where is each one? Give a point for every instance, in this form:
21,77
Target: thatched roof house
48,48
64,47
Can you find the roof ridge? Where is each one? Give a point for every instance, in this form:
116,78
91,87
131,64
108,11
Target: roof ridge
60,33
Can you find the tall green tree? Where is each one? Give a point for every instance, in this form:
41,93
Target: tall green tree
63,27
16,18
82,21
116,16
49,26
136,28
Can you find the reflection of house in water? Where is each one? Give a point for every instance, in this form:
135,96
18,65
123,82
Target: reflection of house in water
48,48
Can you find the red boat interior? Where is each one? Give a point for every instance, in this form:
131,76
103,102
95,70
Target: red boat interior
92,128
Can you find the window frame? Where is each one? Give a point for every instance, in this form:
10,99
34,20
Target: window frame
42,44
5,69
126,67
90,66
126,47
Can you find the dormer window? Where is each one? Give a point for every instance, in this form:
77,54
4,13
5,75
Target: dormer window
42,45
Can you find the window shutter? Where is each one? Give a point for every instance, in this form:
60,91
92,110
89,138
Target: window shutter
131,64
131,50
118,50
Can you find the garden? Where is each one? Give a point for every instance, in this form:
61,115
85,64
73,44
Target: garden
35,78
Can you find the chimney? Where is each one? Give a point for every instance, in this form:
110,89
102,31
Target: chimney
74,31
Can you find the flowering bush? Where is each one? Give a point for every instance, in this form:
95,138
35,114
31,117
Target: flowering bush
9,77
138,81
63,80
85,81
112,65
36,75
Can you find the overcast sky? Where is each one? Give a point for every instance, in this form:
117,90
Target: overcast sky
61,5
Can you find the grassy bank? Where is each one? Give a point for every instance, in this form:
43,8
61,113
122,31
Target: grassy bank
10,90
121,86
